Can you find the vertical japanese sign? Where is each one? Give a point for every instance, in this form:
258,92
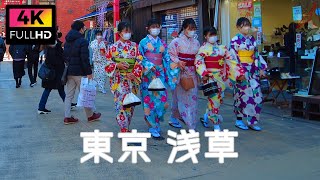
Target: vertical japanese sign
297,13
257,21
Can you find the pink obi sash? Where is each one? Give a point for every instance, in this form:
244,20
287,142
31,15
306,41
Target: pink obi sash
155,58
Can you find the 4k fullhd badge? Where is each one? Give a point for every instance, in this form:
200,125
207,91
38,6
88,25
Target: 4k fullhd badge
30,24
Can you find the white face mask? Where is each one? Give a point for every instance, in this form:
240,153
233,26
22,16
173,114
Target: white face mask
99,37
191,34
213,39
155,31
126,36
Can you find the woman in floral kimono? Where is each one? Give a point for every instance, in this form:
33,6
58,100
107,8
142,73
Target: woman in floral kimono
99,61
183,51
124,69
247,93
155,62
214,63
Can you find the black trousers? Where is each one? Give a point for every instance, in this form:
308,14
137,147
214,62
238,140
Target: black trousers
32,70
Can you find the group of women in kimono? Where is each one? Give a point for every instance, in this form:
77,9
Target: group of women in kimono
132,67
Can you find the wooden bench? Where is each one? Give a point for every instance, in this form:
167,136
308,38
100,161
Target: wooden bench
307,107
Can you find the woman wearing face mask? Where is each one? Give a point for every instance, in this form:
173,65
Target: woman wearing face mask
99,61
214,63
247,93
156,63
124,69
183,51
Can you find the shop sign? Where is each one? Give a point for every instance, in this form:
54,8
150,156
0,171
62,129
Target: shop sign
170,21
245,5
298,40
257,9
297,13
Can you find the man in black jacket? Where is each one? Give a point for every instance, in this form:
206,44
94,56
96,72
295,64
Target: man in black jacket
76,52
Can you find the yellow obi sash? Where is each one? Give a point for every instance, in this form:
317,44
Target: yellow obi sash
246,56
131,63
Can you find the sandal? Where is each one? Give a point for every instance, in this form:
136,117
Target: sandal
174,123
204,121
255,128
241,125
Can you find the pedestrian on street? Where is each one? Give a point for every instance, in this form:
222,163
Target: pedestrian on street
156,62
247,93
99,61
18,54
3,48
124,69
55,61
76,52
183,51
32,63
215,64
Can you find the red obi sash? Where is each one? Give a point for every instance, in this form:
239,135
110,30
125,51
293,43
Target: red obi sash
155,58
213,62
187,58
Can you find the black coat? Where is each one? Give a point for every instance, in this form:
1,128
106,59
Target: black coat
76,52
54,60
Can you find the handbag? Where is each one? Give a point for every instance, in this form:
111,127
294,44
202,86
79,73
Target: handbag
64,77
46,73
210,88
187,82
87,93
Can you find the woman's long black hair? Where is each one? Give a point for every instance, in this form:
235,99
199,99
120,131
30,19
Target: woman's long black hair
186,23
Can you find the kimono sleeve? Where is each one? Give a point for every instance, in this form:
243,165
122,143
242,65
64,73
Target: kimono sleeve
174,51
259,61
138,68
233,69
200,64
111,65
147,65
170,68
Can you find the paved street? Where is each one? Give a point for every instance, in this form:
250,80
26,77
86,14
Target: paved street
41,147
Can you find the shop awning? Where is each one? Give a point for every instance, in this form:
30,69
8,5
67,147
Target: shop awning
93,14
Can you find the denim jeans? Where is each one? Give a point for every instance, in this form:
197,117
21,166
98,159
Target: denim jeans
45,96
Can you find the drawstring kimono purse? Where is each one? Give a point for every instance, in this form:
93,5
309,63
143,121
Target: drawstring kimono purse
130,99
156,85
187,81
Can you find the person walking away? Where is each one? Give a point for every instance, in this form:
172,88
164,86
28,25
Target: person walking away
76,53
183,51
18,54
247,93
32,63
55,60
99,62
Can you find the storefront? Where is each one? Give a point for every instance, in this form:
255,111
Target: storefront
271,20
171,13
